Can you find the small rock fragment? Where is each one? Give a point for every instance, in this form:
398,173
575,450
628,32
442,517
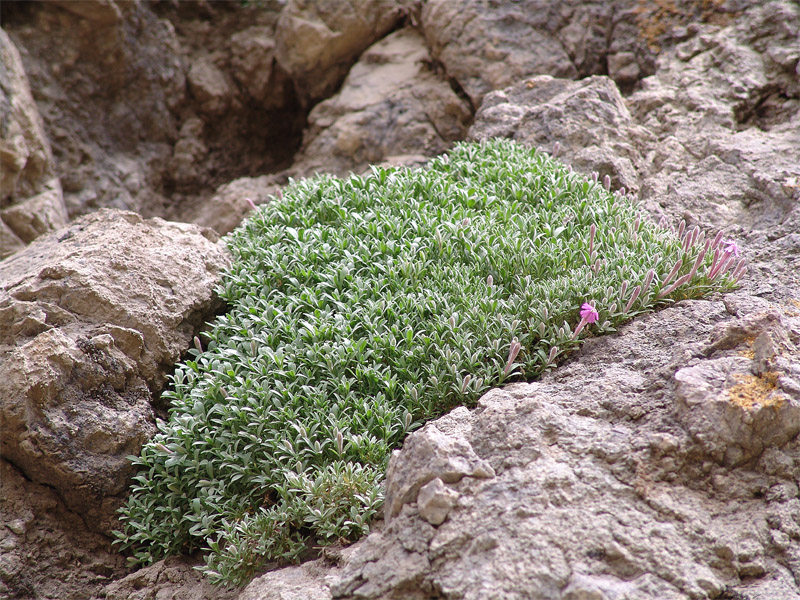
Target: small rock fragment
435,501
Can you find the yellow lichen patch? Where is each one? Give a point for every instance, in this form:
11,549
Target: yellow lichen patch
790,312
751,390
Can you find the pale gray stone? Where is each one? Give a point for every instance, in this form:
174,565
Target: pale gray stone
318,41
391,103
435,501
93,318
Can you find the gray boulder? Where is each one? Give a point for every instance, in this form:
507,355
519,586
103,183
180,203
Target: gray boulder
317,42
588,119
391,105
93,318
604,486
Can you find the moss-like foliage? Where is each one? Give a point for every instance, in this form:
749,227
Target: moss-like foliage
360,308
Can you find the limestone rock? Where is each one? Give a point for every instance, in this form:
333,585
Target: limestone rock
598,492
107,77
725,153
391,103
228,207
102,12
318,40
487,48
303,582
209,86
174,577
94,316
188,152
255,67
42,213
9,241
30,196
26,162
440,450
435,501
588,119
47,550
490,46
736,406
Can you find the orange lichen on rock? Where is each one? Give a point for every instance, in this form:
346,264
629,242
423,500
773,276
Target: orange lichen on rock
655,18
752,390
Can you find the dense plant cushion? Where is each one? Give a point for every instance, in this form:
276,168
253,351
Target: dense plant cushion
360,308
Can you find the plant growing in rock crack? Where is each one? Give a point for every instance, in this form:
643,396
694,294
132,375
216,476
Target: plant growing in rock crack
360,308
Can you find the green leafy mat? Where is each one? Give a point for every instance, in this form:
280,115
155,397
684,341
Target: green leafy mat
359,309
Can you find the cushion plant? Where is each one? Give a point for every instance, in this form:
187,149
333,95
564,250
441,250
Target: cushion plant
358,309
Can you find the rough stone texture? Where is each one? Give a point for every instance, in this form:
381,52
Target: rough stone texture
30,198
661,462
598,486
47,551
9,241
174,578
318,40
36,215
303,582
486,46
255,66
440,450
105,78
94,316
736,406
26,161
102,12
587,118
209,87
725,109
391,103
489,46
435,501
228,206
241,117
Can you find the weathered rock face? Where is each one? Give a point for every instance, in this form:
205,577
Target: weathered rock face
93,318
229,205
47,550
658,463
725,109
487,47
587,118
105,77
603,485
174,578
318,41
661,462
30,196
25,155
391,104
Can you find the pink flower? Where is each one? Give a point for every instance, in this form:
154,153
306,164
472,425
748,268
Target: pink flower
730,247
589,313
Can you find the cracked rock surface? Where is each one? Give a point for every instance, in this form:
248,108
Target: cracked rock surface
659,463
93,317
